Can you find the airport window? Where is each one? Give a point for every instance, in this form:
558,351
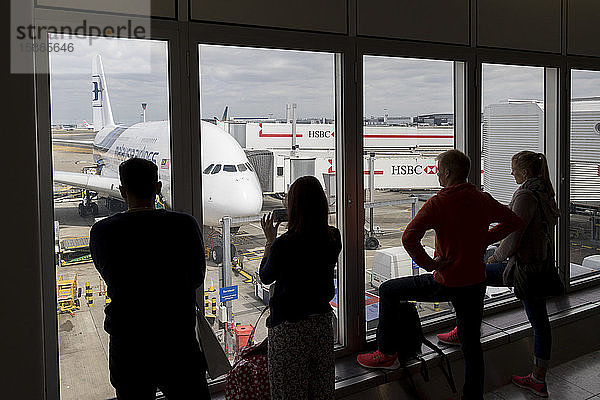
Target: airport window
276,111
515,117
216,169
408,120
584,197
229,168
513,120
208,169
91,136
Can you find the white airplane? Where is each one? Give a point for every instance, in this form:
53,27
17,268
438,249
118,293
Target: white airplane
230,185
87,126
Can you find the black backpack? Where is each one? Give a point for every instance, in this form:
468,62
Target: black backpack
410,339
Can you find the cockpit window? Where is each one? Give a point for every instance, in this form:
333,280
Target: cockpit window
249,166
241,167
217,169
229,168
207,170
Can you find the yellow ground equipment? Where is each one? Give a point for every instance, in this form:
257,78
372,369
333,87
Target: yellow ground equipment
104,292
75,250
66,295
89,294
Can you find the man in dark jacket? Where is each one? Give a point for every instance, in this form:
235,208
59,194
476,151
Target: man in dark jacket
460,214
152,261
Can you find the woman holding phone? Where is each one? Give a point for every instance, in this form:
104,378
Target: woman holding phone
300,263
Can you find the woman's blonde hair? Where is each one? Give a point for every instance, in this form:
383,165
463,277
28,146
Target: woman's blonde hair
536,164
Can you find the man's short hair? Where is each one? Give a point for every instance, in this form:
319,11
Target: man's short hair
139,177
456,161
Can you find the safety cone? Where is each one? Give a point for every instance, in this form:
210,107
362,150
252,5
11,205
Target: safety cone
211,288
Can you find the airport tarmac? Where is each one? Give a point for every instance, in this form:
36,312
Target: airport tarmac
83,344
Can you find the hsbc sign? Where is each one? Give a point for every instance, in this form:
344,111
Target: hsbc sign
408,169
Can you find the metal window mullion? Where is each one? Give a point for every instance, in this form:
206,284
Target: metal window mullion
473,140
350,198
460,105
180,132
46,228
564,181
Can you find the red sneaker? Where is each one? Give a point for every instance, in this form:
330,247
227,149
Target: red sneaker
450,337
378,360
527,382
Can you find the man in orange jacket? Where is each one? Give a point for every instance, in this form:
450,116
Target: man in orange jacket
460,214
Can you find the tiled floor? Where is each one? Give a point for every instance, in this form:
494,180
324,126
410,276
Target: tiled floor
578,379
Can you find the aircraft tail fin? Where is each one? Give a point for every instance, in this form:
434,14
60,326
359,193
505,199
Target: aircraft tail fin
100,101
225,114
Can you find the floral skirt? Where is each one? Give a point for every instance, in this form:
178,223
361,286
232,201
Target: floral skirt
301,359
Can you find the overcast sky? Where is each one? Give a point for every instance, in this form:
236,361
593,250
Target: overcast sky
259,82
136,72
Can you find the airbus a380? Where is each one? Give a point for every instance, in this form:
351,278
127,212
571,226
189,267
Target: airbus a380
229,183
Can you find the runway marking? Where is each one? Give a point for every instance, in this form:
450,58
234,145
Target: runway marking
253,255
246,275
575,244
72,149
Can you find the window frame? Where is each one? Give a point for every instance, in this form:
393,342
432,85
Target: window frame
163,31
560,146
183,39
585,64
463,126
269,38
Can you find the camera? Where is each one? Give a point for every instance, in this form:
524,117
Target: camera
280,215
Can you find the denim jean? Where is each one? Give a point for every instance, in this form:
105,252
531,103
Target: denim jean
468,304
536,311
139,366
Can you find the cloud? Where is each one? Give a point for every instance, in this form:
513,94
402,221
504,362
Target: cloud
136,72
259,82
585,83
407,87
502,82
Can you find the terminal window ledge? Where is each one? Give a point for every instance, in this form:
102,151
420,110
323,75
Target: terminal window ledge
497,330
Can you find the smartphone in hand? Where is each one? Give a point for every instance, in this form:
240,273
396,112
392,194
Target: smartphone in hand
280,215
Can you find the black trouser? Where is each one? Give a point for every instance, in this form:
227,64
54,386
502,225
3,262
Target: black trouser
138,368
537,313
468,305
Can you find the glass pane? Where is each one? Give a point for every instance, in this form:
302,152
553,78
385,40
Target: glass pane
513,121
91,136
585,173
263,110
409,120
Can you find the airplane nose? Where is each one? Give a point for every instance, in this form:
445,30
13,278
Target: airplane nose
248,200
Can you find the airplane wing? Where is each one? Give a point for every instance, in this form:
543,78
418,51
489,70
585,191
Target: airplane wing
82,143
104,186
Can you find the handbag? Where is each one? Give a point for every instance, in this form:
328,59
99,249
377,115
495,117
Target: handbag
249,376
538,279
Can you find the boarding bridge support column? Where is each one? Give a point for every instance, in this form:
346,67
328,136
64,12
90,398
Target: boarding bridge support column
294,142
371,189
226,274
